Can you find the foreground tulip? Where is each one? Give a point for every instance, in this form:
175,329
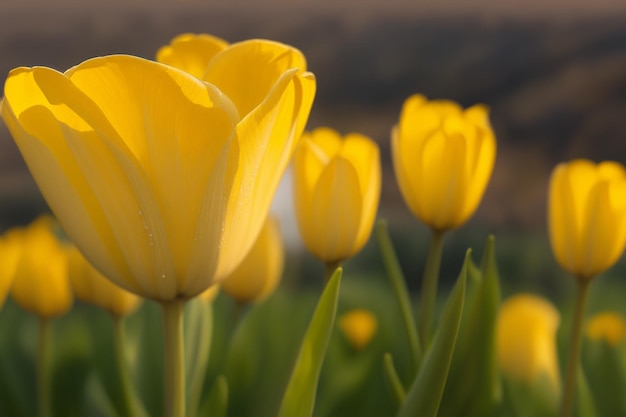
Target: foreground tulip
191,53
91,287
162,180
259,273
526,348
336,190
443,157
10,249
587,224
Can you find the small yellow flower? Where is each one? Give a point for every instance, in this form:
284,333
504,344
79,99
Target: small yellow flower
41,285
191,53
526,340
91,287
587,216
359,327
162,180
609,327
259,274
443,157
336,190
10,249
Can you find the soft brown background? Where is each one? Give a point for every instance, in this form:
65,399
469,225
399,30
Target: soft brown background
553,73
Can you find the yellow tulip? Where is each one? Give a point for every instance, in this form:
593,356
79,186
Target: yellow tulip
587,216
191,53
41,285
608,326
162,181
526,340
359,327
260,272
336,190
10,249
443,157
91,287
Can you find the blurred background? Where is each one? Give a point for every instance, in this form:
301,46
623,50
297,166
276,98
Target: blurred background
552,72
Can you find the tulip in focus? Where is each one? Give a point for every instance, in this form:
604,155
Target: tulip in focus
336,190
526,341
91,287
260,272
443,157
359,327
191,53
10,249
41,284
587,216
608,327
164,190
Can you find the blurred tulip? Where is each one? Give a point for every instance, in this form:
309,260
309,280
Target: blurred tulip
10,248
260,272
164,190
359,327
609,327
91,287
587,216
443,157
336,190
191,53
41,285
526,341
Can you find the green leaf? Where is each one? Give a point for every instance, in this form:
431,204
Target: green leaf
424,395
585,405
198,334
393,381
216,403
474,386
604,367
299,398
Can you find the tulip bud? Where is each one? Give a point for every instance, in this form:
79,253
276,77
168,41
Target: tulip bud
336,189
92,287
41,285
359,327
260,272
443,157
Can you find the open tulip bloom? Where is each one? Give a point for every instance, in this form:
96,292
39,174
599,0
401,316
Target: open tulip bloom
162,180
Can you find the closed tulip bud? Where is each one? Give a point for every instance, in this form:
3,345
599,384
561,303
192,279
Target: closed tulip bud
526,342
608,327
336,189
443,157
260,272
41,285
359,327
10,249
91,287
161,179
587,216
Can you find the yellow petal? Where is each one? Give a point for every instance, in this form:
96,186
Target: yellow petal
608,326
191,53
10,250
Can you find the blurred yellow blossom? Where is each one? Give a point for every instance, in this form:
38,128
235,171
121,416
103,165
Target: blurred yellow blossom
587,216
164,190
526,340
260,272
336,191
10,248
91,287
443,157
607,326
41,284
359,327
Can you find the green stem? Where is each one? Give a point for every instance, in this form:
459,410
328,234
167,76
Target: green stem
398,283
331,267
393,379
174,396
129,399
43,376
428,296
567,406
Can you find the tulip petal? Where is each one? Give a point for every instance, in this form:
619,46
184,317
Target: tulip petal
402,154
191,53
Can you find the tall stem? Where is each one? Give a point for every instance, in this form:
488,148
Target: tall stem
174,396
129,399
428,296
43,369
569,394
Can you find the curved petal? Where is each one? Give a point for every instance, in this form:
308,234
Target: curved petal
406,178
191,53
